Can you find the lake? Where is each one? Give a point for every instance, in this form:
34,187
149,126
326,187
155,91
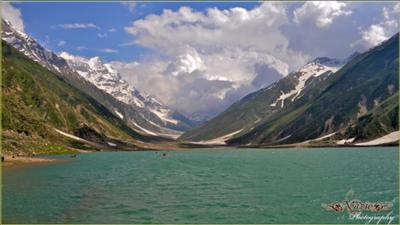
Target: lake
201,186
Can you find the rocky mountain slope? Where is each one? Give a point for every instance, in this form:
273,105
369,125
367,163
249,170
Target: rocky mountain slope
246,113
42,113
106,78
143,113
321,102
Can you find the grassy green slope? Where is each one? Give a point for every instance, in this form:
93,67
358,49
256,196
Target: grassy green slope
383,118
365,82
35,101
243,114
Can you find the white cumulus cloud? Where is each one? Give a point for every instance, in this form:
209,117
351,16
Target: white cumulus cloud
102,35
322,13
108,50
12,14
61,43
379,32
204,61
131,6
78,26
81,48
396,8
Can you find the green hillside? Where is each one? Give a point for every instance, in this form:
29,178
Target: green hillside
36,101
243,114
359,100
367,84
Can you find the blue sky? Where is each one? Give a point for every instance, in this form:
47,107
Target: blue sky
85,42
42,20
200,57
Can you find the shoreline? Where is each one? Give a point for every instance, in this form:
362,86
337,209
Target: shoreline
25,160
393,144
37,160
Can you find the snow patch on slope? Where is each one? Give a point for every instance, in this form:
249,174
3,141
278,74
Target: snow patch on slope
69,135
164,115
392,137
345,141
143,130
111,144
119,114
219,140
313,69
319,139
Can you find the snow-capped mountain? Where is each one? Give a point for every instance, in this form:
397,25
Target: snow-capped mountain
107,78
31,48
252,109
322,66
103,82
337,101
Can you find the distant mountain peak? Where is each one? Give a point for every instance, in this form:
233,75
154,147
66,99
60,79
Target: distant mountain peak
66,56
10,25
95,62
31,48
316,104
326,61
103,76
315,68
107,78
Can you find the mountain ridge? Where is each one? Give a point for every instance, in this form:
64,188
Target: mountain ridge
269,116
108,79
148,122
271,97
42,113
359,87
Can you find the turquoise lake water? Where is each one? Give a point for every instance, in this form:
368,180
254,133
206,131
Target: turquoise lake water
201,186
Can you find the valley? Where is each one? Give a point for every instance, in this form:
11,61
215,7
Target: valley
66,104
199,112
